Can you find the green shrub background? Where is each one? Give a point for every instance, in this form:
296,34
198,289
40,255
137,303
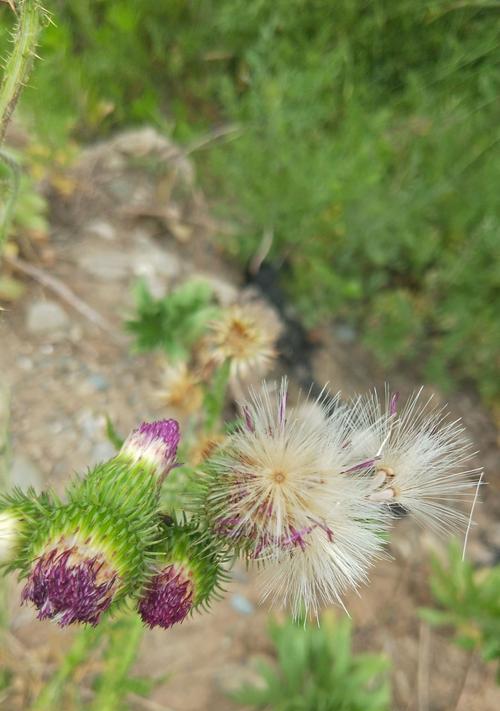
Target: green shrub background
368,147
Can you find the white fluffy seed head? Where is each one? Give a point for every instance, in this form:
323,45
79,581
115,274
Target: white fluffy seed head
245,336
10,532
284,493
180,388
424,459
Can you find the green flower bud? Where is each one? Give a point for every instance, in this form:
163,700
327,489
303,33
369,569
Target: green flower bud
100,547
86,556
188,575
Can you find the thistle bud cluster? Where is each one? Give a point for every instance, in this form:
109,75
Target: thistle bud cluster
308,493
103,544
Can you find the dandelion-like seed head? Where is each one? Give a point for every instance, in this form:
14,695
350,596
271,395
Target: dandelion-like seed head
283,493
155,443
71,581
180,389
243,336
205,447
423,459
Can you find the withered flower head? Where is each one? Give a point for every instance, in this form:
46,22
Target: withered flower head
245,336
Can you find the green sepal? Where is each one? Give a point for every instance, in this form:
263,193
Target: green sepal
131,487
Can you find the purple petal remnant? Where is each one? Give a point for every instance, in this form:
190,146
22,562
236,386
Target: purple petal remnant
393,405
250,425
70,587
155,442
366,464
168,599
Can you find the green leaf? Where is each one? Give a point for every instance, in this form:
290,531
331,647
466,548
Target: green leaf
175,322
112,434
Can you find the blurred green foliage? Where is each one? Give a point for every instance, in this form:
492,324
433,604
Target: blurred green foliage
175,322
111,649
368,147
469,602
29,208
316,670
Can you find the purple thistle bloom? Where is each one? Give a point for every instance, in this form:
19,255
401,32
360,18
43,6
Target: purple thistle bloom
168,598
70,587
155,442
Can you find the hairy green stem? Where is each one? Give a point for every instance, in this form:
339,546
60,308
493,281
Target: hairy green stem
16,70
18,64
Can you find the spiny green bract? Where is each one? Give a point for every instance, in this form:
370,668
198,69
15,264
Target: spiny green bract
131,488
114,509
213,520
127,542
184,544
31,509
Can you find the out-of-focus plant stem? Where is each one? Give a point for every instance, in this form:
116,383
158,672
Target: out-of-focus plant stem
115,680
17,66
85,641
215,396
118,642
16,70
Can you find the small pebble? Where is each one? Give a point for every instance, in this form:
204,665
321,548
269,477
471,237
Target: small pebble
98,382
46,317
242,604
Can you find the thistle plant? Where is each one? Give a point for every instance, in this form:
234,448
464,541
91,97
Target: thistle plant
306,492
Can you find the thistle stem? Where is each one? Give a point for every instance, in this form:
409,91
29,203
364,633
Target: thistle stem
18,64
215,396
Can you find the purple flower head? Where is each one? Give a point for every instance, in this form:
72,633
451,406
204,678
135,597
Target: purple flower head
70,586
155,442
168,598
